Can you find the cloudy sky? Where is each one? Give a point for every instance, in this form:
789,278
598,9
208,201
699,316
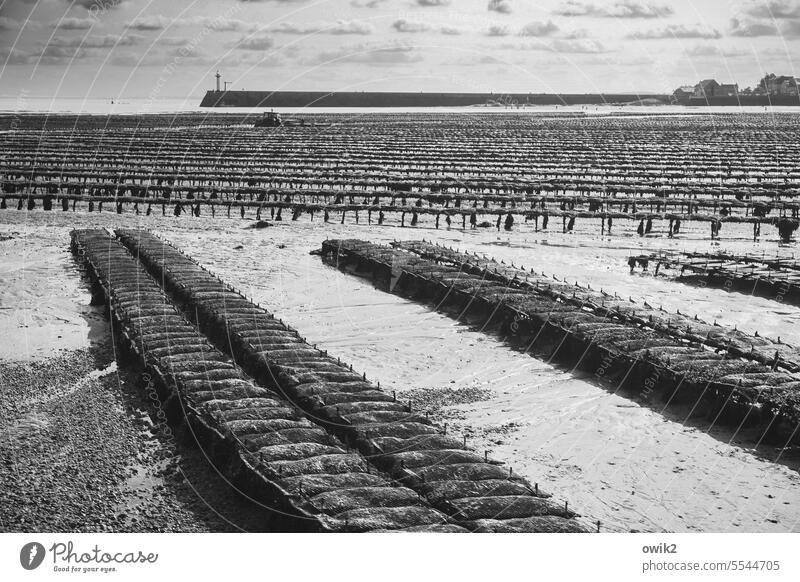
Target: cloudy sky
172,48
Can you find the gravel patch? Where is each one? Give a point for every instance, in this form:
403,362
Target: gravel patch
80,453
439,402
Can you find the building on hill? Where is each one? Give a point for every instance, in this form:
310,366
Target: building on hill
706,88
788,86
773,84
771,90
682,94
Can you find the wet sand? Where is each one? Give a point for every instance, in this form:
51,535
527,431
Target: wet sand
624,462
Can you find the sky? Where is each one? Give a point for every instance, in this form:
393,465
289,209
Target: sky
117,49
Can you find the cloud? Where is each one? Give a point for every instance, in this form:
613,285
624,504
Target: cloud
560,45
189,50
433,2
639,10
791,29
580,46
405,25
577,33
254,43
43,56
173,58
624,9
472,61
65,52
752,28
539,29
715,51
339,27
779,52
782,23
96,5
366,3
223,24
153,22
370,54
63,49
489,60
159,22
571,8
172,41
275,1
343,27
775,9
71,23
16,56
105,41
676,31
498,30
131,60
501,6
192,56
7,23
746,27
349,27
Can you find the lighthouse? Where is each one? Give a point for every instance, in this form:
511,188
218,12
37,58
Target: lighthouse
218,76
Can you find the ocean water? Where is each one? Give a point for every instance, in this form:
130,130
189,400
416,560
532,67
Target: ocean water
192,104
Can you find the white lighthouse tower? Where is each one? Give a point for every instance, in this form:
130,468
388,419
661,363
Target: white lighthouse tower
218,76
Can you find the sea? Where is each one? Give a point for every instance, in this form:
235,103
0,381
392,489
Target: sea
192,105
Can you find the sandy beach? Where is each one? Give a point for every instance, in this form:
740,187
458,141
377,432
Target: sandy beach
630,464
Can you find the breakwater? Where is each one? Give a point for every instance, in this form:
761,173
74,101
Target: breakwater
407,99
